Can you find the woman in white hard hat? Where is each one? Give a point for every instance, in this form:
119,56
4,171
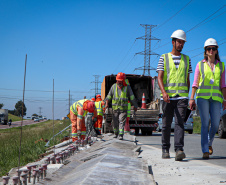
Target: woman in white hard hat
209,82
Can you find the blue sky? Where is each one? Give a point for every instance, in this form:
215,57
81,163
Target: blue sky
70,41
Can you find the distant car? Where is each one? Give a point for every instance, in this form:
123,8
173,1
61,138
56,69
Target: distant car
188,126
222,125
40,118
36,119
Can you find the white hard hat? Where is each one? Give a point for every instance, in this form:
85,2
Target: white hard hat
179,34
210,42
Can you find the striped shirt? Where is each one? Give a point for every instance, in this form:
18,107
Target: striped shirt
176,60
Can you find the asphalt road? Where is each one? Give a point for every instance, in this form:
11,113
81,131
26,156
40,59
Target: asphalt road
18,123
192,147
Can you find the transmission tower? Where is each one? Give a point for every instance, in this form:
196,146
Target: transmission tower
96,84
40,111
147,49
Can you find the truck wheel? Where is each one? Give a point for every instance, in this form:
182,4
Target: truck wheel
143,131
5,122
221,132
190,131
149,133
137,131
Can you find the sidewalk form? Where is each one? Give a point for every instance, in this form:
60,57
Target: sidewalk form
187,172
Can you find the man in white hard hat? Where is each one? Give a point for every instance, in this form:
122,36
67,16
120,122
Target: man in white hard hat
174,81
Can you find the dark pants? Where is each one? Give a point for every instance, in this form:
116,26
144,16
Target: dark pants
176,109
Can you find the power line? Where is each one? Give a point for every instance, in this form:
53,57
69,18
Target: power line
42,90
124,57
205,19
199,24
173,16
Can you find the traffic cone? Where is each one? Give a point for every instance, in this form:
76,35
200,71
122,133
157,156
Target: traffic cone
143,102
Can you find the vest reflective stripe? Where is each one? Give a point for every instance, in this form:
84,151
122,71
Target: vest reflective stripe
79,103
74,135
129,110
121,131
175,80
115,131
83,133
99,108
80,116
119,102
205,89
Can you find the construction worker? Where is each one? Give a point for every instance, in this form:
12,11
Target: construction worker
119,94
99,117
89,123
174,82
78,110
210,88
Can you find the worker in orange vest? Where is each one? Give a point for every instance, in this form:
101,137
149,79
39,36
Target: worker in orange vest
78,110
99,104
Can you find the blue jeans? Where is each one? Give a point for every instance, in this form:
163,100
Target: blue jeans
212,108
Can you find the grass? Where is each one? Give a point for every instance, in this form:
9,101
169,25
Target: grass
32,145
14,118
196,125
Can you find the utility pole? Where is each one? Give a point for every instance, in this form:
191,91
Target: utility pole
69,103
96,84
147,49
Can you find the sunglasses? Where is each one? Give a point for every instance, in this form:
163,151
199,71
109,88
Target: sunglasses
213,48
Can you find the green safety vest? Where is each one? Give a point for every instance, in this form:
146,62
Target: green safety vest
129,110
99,108
175,79
73,107
119,102
205,89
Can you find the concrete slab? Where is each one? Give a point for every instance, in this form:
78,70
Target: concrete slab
108,161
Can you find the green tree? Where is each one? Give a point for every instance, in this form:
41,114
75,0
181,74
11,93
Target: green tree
1,105
36,115
18,111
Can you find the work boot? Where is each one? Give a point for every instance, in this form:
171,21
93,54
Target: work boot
120,137
206,155
165,154
115,136
180,155
210,150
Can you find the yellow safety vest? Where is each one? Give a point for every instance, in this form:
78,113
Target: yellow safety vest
209,83
119,102
73,107
99,108
175,79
